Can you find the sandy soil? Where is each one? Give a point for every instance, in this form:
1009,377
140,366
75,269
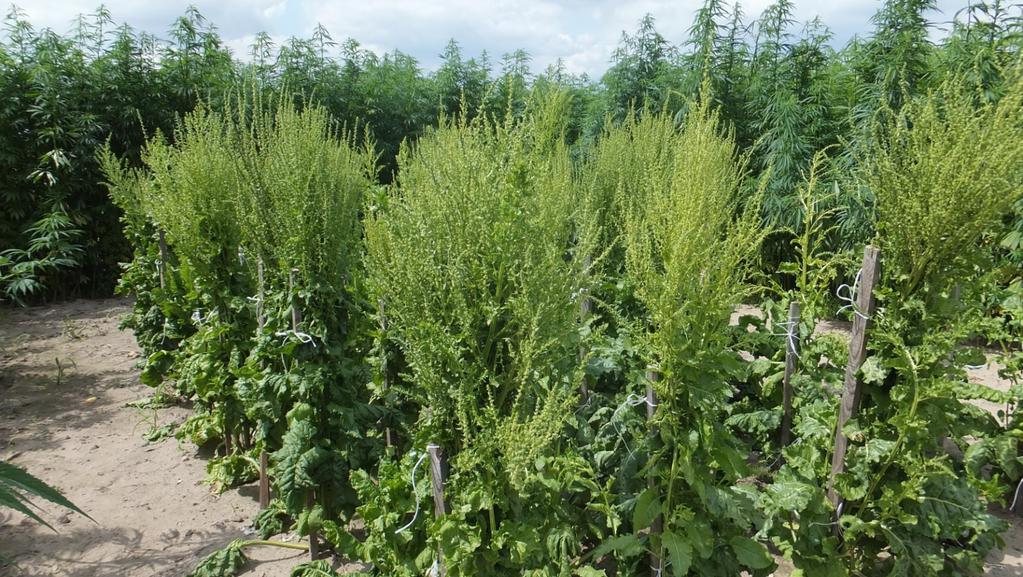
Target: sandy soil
66,376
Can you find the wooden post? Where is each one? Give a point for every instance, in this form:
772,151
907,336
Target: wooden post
438,476
296,320
161,265
260,296
585,310
653,376
384,365
264,459
791,360
264,480
853,388
314,542
296,313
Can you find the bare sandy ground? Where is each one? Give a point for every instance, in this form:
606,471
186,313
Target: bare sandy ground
66,375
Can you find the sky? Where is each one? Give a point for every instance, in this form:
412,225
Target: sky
582,33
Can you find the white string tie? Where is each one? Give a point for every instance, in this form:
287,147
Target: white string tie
837,521
304,338
1016,496
634,400
415,489
200,320
848,294
791,335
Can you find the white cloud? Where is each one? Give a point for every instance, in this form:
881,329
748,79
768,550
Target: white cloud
582,33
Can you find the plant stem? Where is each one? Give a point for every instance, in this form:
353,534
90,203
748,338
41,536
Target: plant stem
902,434
260,542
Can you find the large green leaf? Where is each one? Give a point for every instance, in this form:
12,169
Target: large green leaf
226,562
680,553
624,545
318,568
648,508
750,553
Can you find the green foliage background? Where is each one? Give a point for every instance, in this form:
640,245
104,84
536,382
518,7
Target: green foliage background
339,259
782,86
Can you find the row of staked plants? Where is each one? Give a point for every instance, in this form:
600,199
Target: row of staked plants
565,330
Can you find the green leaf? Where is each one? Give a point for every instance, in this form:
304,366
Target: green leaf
343,541
750,553
624,545
680,553
872,372
590,572
319,568
791,496
310,520
227,562
14,480
648,507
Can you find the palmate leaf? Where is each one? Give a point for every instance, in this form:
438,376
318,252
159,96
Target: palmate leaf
15,483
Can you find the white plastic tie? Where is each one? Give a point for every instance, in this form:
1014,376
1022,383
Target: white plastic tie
790,334
415,489
1015,497
848,294
199,319
304,338
634,400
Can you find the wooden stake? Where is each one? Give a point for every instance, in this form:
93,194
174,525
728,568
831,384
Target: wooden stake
260,296
296,320
384,365
161,265
653,376
264,480
314,542
791,360
853,388
438,476
585,310
264,459
296,313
